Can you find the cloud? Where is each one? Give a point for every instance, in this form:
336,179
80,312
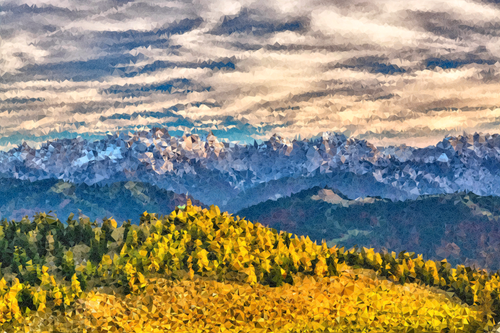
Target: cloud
249,22
387,71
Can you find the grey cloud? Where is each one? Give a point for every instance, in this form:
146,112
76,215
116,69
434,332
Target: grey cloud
33,9
22,100
300,48
444,24
176,86
121,2
249,21
373,64
439,23
76,70
495,2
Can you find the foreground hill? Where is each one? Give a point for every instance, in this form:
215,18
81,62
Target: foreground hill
121,200
197,270
461,227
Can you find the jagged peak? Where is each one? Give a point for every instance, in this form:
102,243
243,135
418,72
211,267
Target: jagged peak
277,140
468,140
475,137
211,138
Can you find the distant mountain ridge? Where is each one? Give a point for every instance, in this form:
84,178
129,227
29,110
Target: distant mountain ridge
461,227
121,200
233,176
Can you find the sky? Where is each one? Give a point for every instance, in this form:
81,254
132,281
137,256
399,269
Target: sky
391,72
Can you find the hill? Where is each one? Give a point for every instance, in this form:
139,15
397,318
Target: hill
121,200
461,227
199,270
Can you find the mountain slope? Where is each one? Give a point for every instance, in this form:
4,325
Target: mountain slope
461,227
122,200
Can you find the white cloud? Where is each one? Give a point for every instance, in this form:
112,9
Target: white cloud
361,30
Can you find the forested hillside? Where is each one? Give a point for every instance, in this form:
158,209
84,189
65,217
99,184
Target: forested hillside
461,227
200,270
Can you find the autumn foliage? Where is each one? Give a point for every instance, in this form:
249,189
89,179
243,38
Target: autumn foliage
202,271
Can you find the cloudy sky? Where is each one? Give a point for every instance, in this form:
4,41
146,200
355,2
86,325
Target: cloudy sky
388,71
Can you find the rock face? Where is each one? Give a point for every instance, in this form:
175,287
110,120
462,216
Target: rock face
328,196
235,176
